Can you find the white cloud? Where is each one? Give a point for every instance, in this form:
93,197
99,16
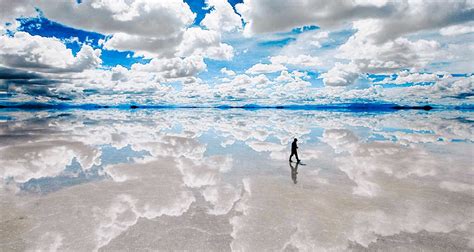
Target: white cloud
243,87
12,10
456,30
373,37
173,68
226,71
311,42
341,75
144,46
377,45
394,18
221,17
41,54
263,16
301,61
285,76
407,77
260,68
389,56
151,29
443,91
205,43
156,19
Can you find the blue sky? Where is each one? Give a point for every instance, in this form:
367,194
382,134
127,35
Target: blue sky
221,52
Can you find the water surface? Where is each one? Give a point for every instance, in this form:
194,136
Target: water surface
210,179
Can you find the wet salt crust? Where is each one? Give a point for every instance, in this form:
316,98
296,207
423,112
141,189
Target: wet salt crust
220,180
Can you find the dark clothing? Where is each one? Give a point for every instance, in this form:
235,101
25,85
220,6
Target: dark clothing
293,147
294,151
296,154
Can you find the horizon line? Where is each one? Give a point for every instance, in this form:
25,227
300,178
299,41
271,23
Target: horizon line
351,107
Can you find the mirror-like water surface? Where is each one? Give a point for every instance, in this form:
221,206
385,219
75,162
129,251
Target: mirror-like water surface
220,180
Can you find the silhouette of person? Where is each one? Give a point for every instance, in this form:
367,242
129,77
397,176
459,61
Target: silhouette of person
294,151
294,172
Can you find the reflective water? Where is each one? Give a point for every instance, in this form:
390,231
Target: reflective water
220,180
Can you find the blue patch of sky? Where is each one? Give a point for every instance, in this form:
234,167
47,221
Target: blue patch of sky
338,38
72,175
380,77
379,137
111,155
199,7
277,43
250,51
247,52
316,81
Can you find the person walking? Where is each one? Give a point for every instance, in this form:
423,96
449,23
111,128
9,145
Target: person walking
294,151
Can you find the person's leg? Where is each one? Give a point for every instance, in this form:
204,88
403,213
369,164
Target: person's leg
291,156
297,158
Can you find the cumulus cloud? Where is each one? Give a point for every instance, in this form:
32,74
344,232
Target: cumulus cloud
341,75
378,45
138,17
132,26
353,39
367,56
226,71
205,43
274,16
393,18
221,17
389,56
444,90
309,41
173,68
407,77
456,30
260,68
42,54
302,61
144,46
286,76
42,66
242,86
11,10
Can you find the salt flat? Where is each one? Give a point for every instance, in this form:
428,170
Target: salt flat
210,179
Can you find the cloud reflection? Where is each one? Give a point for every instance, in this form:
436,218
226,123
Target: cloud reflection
367,176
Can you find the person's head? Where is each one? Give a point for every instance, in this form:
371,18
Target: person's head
295,140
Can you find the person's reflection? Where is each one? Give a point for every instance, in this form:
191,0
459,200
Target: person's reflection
294,172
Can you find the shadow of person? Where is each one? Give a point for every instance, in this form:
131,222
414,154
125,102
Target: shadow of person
294,172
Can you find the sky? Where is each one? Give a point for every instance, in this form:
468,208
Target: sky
212,52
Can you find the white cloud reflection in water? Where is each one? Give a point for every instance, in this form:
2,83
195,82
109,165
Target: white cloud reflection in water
219,179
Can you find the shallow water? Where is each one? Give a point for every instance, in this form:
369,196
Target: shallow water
209,179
